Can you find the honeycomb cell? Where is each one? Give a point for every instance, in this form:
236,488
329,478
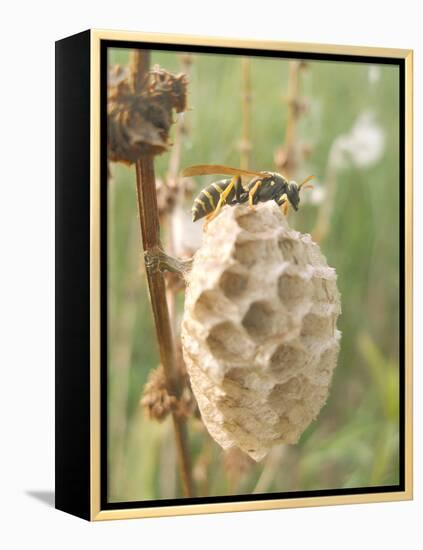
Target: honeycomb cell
233,284
256,253
258,321
279,401
287,359
239,375
292,251
205,305
324,290
227,343
254,222
315,326
246,252
323,371
293,290
249,223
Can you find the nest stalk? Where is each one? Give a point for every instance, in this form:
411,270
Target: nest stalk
150,231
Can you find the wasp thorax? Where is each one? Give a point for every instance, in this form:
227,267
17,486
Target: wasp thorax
259,329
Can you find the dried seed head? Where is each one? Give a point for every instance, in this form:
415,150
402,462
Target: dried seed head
169,192
171,89
139,121
166,196
259,329
156,400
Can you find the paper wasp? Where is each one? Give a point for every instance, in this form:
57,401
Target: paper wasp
264,186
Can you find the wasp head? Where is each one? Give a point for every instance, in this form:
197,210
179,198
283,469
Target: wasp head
293,193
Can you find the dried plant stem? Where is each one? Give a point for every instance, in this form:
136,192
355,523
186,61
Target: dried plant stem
322,225
147,205
150,231
245,146
180,130
286,155
293,111
175,155
271,466
140,65
172,176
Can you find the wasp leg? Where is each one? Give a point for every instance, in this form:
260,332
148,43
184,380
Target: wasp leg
222,200
252,192
284,203
241,195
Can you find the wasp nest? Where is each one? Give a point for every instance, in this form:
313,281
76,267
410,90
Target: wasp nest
259,329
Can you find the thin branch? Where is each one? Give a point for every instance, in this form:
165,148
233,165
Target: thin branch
173,179
157,260
150,231
322,224
147,205
293,105
271,466
286,156
245,146
140,65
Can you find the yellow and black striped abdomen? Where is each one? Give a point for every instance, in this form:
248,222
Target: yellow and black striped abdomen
206,202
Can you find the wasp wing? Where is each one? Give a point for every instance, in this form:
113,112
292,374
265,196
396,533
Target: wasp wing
205,169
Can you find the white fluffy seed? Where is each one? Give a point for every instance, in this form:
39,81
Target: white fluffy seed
259,329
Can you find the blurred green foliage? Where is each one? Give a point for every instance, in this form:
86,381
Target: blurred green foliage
354,442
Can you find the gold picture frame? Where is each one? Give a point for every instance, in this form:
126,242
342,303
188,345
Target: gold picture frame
85,500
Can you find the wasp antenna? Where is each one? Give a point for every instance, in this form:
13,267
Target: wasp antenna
305,181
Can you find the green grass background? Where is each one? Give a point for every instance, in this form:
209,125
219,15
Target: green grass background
354,442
